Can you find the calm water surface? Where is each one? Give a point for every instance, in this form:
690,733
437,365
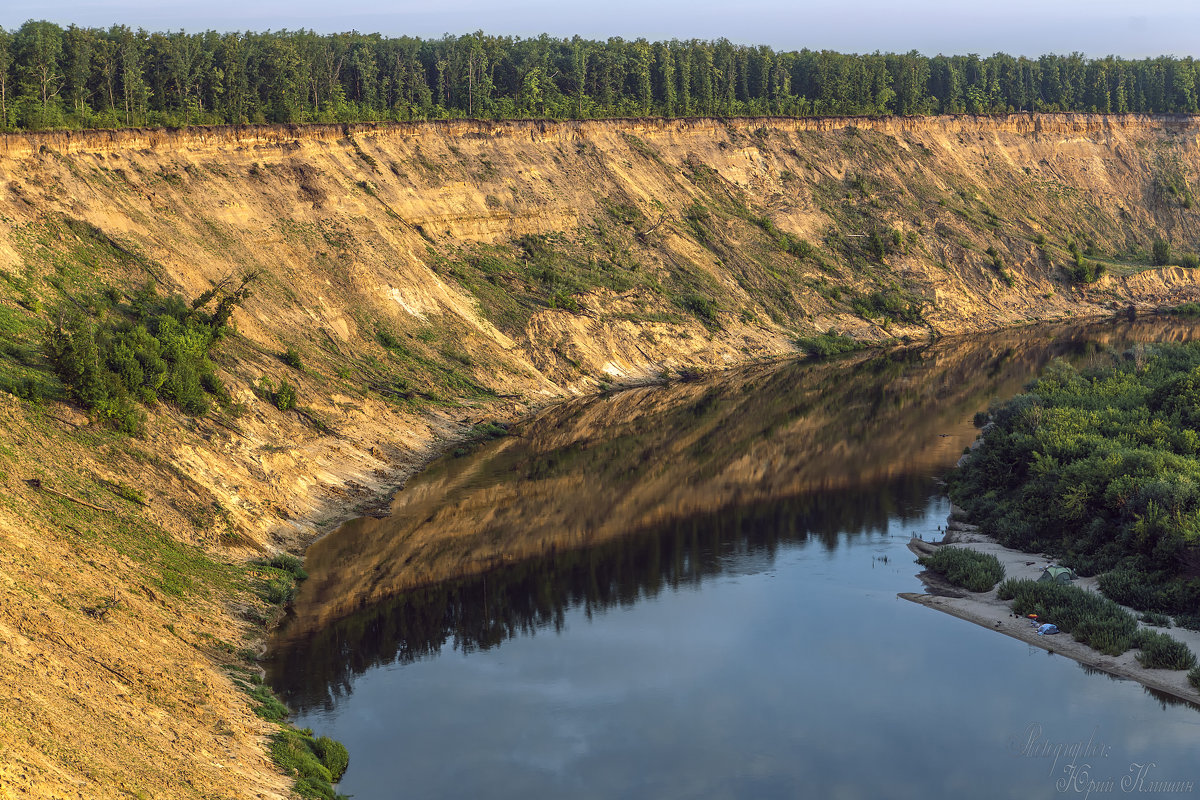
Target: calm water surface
690,592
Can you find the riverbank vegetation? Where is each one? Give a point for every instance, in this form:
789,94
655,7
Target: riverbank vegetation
829,344
1096,621
975,572
1101,468
77,77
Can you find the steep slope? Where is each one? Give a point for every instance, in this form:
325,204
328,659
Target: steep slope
428,277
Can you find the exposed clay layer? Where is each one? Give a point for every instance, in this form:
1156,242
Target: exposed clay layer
17,145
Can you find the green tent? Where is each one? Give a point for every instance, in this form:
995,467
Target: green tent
1057,575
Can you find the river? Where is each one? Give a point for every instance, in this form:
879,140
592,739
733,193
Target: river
689,591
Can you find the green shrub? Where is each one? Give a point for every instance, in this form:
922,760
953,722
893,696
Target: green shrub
157,348
1131,589
1085,271
1189,621
891,304
1040,240
703,308
286,570
1186,310
268,706
489,430
284,397
565,301
876,246
1162,651
976,572
279,591
997,261
125,492
289,564
1194,677
1189,260
828,344
292,359
800,248
1155,619
30,389
1094,620
296,754
1160,254
333,755
387,339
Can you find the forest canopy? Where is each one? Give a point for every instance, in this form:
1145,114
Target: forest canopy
74,77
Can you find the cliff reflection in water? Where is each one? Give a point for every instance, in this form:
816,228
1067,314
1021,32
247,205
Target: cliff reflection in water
626,495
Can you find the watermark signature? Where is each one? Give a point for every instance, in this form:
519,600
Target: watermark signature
1083,766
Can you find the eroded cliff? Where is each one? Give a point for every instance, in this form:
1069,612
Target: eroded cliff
427,277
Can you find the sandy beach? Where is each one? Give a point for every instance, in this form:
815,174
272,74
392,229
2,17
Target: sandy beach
987,610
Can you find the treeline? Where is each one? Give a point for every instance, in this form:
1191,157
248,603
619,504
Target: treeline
53,77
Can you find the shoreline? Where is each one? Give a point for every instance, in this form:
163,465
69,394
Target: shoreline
987,611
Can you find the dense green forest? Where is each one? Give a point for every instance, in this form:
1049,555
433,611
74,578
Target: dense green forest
1102,469
53,77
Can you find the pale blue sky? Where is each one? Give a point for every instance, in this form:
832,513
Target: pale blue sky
1028,27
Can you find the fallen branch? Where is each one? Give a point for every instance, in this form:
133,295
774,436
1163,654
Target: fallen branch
36,483
643,234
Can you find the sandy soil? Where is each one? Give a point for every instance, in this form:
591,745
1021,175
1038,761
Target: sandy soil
987,610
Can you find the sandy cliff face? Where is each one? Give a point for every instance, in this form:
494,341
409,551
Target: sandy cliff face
363,224
434,275
662,242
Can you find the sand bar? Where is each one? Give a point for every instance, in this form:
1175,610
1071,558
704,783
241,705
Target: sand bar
986,609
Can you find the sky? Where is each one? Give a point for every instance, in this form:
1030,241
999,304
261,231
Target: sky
1020,27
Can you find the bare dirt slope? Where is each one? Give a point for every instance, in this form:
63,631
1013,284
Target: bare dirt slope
429,277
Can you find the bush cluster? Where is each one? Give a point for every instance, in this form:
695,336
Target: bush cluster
1160,253
1189,621
975,572
314,764
702,307
826,345
155,348
292,358
888,305
1155,619
1097,622
1140,590
1186,310
284,573
1094,620
1101,469
1161,651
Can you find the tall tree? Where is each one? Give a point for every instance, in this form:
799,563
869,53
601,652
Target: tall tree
38,45
5,65
579,69
130,49
641,62
664,62
187,62
77,52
